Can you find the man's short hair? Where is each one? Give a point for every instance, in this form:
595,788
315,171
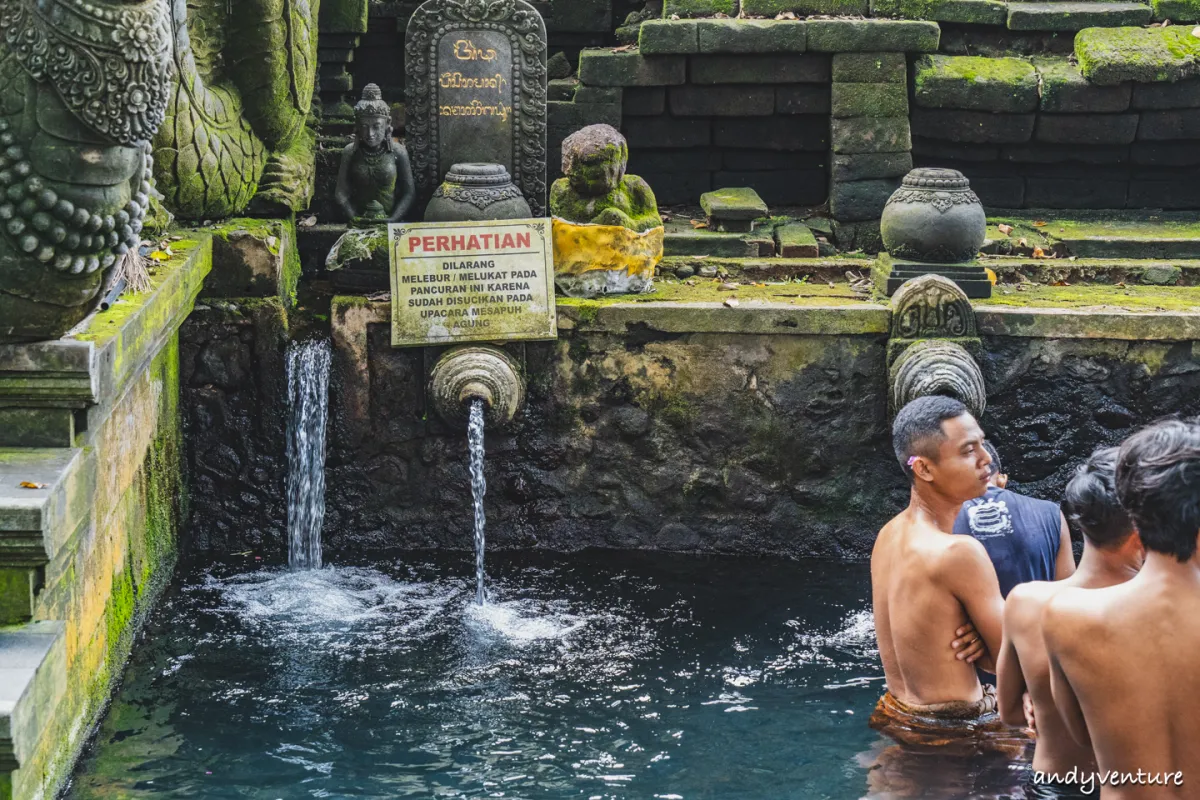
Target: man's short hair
1158,481
995,467
1090,501
917,430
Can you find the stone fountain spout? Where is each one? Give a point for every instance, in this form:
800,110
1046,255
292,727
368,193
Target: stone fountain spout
477,372
934,346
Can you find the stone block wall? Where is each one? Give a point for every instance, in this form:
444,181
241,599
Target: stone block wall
1036,133
90,544
723,430
720,117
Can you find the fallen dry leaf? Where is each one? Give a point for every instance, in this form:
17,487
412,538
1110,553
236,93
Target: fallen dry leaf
731,302
32,485
1022,242
1060,283
1039,252
625,48
728,287
698,224
831,286
1041,223
1005,229
161,255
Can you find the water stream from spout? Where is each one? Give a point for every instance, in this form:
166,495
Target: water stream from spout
308,390
478,489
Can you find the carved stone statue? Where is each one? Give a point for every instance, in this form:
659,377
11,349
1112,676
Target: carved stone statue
84,88
375,182
235,128
596,189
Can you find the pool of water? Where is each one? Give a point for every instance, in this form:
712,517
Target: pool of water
593,675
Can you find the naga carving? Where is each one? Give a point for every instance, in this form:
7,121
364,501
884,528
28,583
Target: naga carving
83,88
235,121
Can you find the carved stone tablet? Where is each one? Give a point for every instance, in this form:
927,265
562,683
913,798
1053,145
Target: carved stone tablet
476,92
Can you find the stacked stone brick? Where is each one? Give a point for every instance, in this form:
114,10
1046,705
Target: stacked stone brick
1038,133
869,133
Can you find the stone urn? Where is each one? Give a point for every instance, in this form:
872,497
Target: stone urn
934,217
475,192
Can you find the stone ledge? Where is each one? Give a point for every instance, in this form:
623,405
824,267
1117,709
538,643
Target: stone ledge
1109,56
33,675
29,518
779,319
91,364
1053,323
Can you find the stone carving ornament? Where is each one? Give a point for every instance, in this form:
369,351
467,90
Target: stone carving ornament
245,73
522,25
933,343
932,307
937,366
83,87
934,217
476,192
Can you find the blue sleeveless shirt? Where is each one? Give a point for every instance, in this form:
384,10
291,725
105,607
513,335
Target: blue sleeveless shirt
1021,535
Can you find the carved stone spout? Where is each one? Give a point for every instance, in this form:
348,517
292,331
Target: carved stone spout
477,372
934,344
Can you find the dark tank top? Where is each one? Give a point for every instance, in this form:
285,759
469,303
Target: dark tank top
1021,535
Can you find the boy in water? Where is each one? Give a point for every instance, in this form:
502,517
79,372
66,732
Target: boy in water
1123,659
926,581
1112,554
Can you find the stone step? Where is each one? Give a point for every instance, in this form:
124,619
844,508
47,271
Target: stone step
36,522
1162,235
1075,16
33,679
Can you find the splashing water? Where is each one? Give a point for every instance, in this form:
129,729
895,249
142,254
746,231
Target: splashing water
308,388
478,490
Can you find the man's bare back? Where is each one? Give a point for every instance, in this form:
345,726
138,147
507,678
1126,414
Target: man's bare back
917,576
1023,667
1123,670
1130,654
1112,554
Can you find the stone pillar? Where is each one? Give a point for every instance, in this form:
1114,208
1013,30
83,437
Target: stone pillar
870,141
342,22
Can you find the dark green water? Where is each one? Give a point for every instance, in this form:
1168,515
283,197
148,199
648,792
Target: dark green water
594,675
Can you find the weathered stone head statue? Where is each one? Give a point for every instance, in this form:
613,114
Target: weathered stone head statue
375,182
596,189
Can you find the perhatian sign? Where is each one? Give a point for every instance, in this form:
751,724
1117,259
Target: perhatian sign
471,282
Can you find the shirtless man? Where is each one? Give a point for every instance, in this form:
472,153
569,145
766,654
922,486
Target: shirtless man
1112,554
926,581
1123,659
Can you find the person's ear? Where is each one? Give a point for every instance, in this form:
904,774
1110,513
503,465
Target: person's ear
1001,481
922,469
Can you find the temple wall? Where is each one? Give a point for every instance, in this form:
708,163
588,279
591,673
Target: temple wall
84,557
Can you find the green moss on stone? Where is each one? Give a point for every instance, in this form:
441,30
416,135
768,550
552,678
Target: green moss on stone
869,68
772,8
872,35
1008,85
699,8
1108,56
666,37
869,100
752,36
1176,10
631,204
972,12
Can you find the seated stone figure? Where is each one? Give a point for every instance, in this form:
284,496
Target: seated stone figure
596,189
375,182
